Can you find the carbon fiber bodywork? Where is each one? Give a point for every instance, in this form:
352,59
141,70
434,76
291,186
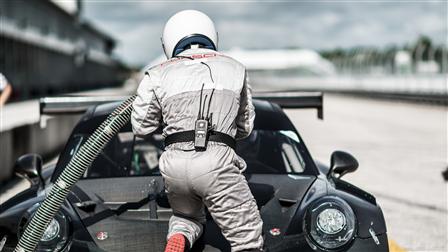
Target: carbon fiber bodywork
130,213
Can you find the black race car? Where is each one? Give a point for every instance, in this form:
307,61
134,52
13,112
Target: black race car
120,204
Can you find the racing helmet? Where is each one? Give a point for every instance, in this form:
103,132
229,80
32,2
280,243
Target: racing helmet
186,28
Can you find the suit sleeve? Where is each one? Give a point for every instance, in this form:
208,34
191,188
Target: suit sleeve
246,111
146,115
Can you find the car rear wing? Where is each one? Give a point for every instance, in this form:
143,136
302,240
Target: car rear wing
295,100
78,104
73,104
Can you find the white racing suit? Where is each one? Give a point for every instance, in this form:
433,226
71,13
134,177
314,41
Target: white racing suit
169,94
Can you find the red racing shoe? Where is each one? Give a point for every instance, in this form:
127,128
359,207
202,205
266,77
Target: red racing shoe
177,243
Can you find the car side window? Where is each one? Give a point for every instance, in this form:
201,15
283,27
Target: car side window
272,152
115,159
126,155
146,154
292,158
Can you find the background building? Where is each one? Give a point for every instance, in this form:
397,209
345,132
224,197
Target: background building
47,49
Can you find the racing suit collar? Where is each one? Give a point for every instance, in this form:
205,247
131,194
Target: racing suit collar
196,50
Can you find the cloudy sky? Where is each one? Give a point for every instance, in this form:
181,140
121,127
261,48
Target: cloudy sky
137,24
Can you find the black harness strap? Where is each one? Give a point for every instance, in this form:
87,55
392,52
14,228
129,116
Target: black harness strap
188,136
106,213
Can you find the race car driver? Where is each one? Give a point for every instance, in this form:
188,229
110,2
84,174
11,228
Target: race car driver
203,101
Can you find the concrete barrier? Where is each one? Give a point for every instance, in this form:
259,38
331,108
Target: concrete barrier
21,131
31,138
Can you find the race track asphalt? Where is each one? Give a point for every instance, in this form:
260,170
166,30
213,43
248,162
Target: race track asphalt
402,151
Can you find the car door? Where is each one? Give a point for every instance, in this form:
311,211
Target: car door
120,198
